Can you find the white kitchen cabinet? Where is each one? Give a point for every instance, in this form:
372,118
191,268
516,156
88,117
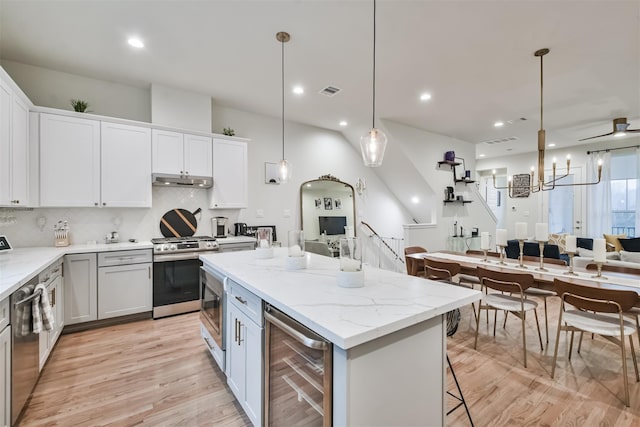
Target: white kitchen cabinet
48,339
181,154
230,174
244,350
124,289
5,377
125,165
14,148
69,161
81,288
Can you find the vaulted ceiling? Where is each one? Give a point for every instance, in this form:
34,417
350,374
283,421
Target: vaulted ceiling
474,57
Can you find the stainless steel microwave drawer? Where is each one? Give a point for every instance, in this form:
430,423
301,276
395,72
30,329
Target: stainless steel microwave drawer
136,256
246,301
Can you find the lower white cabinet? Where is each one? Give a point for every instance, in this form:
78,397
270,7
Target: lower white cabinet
49,338
124,289
244,351
81,288
5,377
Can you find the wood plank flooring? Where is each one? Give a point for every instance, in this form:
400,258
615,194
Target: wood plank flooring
158,373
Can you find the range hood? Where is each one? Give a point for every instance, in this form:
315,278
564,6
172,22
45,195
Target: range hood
169,180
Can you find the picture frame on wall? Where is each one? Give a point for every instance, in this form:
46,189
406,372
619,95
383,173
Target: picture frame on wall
318,203
328,203
337,203
271,173
519,181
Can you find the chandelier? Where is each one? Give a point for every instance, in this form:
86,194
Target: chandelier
529,185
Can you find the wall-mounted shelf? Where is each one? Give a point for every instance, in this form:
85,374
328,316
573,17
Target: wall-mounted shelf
457,201
449,163
466,181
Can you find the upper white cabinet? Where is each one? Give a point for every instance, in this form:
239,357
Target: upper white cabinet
69,161
86,162
14,148
230,172
181,154
126,165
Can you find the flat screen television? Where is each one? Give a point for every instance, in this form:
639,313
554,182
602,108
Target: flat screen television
332,225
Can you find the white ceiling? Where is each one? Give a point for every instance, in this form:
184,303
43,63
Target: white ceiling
475,58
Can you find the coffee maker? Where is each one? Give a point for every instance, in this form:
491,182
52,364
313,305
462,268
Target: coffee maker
449,194
219,224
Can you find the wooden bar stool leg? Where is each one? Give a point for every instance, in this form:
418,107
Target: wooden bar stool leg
624,368
571,345
633,358
546,320
555,350
535,313
524,338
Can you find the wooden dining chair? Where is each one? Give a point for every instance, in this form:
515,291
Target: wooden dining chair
508,295
598,311
414,266
445,271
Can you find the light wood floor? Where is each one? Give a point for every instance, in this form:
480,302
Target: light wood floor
158,373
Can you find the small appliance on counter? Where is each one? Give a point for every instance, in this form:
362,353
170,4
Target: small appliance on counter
112,237
449,194
240,229
219,225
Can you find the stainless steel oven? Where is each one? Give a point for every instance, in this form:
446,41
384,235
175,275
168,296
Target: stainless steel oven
176,274
212,314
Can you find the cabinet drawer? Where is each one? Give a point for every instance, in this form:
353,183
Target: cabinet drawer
247,302
4,313
137,256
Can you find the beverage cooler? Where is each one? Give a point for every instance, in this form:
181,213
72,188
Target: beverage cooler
298,373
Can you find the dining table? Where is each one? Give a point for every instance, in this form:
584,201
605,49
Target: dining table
543,279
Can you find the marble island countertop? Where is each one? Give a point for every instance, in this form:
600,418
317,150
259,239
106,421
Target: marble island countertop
20,265
348,317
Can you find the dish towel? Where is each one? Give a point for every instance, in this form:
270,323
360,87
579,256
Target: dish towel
41,310
23,314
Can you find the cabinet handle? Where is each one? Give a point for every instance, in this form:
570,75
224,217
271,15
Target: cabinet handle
53,297
206,340
239,332
236,331
242,300
149,272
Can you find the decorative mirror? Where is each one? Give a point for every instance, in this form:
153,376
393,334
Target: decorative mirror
327,206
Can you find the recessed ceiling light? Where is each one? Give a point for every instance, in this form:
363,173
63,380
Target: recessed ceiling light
135,42
498,124
298,90
415,200
343,123
425,97
482,155
551,144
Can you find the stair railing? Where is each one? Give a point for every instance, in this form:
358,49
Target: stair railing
387,249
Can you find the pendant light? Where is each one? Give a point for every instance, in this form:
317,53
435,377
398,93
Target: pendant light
284,168
374,142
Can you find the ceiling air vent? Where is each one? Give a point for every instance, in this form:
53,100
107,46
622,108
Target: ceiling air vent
500,140
330,91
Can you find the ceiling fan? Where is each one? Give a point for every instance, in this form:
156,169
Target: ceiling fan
620,128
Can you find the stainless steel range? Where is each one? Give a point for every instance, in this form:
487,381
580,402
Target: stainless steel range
176,273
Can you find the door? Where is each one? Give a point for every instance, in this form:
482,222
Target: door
126,165
229,174
198,155
124,289
562,206
69,161
19,153
5,144
81,293
236,349
167,151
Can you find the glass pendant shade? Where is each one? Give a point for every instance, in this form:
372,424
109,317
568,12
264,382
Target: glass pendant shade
284,171
372,146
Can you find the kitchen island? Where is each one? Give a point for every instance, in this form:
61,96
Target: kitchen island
389,340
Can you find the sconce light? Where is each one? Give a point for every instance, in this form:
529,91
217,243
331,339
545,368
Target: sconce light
361,185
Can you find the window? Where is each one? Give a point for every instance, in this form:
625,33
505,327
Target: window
624,182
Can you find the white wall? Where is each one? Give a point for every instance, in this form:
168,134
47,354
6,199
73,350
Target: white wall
312,151
180,109
530,209
49,88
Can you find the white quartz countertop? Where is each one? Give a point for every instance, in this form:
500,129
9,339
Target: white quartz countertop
19,266
347,317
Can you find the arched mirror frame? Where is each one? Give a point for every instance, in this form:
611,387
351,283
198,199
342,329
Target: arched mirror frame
313,233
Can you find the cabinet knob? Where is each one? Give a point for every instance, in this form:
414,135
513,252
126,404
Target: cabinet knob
95,204
186,173
181,172
104,203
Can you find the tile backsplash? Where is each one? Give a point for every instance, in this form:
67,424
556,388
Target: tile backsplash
26,228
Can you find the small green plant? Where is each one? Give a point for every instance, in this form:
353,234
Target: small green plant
228,131
79,105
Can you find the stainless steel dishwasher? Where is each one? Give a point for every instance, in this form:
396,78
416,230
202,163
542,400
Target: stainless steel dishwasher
25,344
